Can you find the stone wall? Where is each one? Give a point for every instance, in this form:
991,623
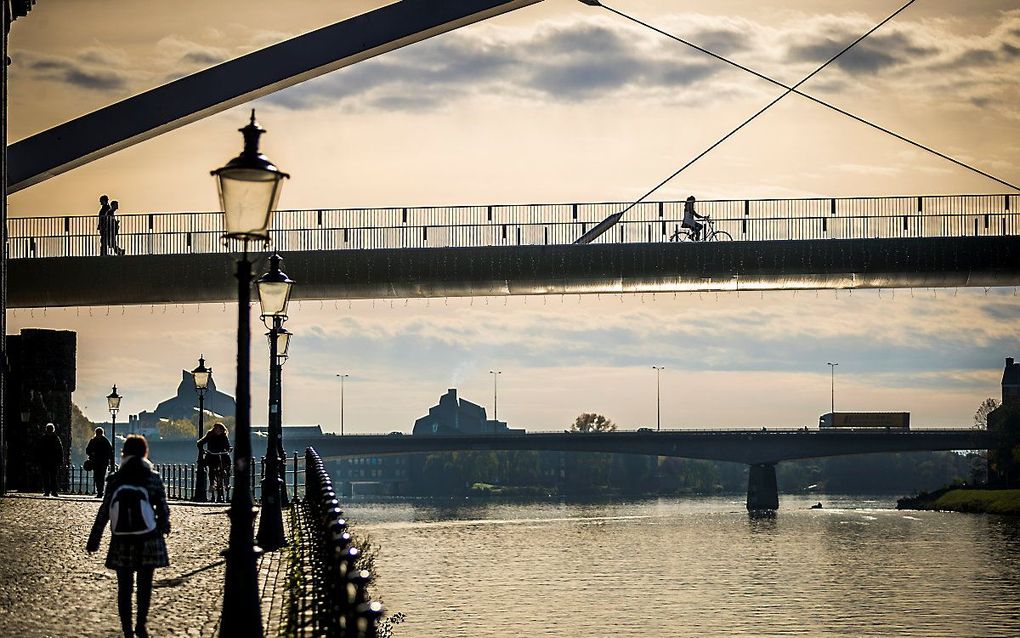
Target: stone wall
40,385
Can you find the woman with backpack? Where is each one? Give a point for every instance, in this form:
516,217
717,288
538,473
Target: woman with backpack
136,508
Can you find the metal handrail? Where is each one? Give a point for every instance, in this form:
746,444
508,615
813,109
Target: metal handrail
531,224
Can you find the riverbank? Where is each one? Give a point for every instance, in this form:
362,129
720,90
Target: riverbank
971,501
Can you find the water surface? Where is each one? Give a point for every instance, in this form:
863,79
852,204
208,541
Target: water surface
693,567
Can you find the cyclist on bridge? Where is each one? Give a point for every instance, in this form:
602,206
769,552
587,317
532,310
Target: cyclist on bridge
691,218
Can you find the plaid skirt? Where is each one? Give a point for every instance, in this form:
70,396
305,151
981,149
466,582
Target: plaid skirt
137,553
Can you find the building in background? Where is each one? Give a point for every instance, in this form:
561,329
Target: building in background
1004,461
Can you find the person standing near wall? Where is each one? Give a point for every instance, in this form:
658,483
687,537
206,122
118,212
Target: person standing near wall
51,458
100,455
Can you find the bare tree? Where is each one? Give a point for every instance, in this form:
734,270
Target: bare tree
981,415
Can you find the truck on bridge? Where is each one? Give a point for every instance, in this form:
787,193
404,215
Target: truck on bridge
850,420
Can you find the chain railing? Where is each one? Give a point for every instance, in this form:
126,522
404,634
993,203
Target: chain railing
329,592
530,224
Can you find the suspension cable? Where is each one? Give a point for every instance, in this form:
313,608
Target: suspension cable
810,97
610,221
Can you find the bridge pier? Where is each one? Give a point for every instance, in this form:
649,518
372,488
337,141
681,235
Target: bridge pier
762,489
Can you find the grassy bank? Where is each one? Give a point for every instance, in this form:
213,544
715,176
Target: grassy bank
975,501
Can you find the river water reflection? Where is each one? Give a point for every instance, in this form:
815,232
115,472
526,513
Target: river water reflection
693,567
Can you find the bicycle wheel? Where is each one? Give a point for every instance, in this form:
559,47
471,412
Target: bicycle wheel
720,235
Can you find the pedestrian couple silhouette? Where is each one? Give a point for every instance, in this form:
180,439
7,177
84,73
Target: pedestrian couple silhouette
109,227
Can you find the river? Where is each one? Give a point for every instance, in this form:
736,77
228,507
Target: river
692,567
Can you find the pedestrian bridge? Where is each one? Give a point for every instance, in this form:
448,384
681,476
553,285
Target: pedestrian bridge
514,249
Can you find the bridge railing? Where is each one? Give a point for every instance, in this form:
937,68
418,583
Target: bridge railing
530,224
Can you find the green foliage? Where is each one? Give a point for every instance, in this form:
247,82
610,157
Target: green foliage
188,428
82,431
979,501
591,422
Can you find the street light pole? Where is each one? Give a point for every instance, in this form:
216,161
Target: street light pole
495,393
342,377
113,403
201,376
658,397
274,293
249,188
832,386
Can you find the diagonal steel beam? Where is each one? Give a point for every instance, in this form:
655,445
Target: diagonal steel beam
165,108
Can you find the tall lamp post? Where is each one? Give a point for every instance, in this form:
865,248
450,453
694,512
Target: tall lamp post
249,188
113,403
495,393
832,386
201,376
658,397
342,377
274,293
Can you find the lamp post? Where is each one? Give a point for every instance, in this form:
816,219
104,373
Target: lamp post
201,376
658,397
274,293
249,188
495,393
113,403
832,386
342,377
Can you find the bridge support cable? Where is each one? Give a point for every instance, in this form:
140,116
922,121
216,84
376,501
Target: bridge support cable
814,99
587,238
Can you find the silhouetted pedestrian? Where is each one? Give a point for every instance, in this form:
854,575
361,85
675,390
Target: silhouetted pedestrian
103,225
100,454
136,508
114,225
691,218
51,458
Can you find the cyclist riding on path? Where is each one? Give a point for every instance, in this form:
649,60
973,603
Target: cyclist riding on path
217,459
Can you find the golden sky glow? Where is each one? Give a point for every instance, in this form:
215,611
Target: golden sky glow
557,102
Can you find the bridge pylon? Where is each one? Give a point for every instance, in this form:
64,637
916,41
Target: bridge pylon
762,489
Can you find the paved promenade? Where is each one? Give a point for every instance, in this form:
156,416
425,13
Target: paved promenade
50,586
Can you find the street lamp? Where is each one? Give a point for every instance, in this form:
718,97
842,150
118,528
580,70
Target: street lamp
658,397
113,403
495,389
832,386
201,376
274,293
342,377
249,187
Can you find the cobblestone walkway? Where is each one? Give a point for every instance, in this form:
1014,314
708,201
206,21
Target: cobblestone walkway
50,586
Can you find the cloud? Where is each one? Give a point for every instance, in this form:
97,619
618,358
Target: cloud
78,73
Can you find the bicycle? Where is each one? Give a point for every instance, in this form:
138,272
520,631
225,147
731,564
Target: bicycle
708,231
219,474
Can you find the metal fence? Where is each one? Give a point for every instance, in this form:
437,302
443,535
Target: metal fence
329,589
180,479
530,224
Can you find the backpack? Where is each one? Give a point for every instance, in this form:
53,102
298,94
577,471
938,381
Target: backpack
131,513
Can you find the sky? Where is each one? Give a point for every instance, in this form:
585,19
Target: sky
557,102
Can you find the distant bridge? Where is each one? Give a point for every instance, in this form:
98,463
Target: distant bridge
760,449
491,250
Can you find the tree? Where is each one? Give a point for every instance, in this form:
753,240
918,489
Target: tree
591,422
82,431
981,415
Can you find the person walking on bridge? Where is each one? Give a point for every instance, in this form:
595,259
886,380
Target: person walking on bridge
135,506
114,226
100,456
103,225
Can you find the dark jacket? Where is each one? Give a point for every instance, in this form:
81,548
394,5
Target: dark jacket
51,450
215,442
100,450
133,471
